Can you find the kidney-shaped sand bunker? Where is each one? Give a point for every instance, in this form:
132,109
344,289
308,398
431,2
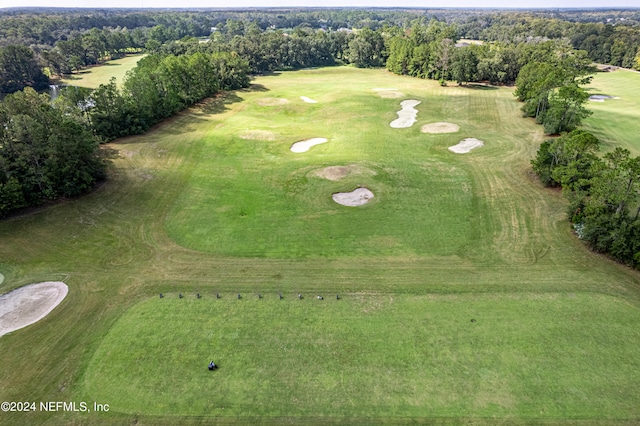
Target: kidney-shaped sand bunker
357,197
305,145
25,305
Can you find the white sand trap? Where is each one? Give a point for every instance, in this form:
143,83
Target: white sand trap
466,145
440,127
600,98
308,100
26,305
259,135
357,197
272,101
407,115
305,145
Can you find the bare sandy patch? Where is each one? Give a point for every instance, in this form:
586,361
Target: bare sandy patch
308,100
601,98
357,197
272,101
466,145
338,172
407,115
305,145
259,135
26,305
440,127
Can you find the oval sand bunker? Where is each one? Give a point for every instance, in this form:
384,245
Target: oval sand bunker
308,100
407,115
357,197
29,304
305,145
440,127
466,145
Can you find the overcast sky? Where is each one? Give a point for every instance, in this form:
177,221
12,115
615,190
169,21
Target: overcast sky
324,3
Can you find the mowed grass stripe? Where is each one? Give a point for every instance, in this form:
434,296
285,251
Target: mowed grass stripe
369,354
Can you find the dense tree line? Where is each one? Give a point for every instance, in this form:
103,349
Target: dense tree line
603,193
50,149
45,152
157,88
19,69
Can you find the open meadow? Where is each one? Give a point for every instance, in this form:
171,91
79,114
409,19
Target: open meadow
464,297
93,77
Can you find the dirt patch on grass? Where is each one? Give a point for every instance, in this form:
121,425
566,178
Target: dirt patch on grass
272,101
440,127
259,135
338,172
389,93
29,304
305,145
407,115
357,197
466,145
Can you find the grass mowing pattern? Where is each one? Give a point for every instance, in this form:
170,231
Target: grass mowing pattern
112,248
370,354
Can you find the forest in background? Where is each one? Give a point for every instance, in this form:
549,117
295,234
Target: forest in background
50,149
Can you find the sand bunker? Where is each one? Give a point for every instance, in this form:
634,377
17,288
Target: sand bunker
303,146
308,100
440,127
600,98
466,145
259,135
407,115
272,101
26,305
357,197
338,172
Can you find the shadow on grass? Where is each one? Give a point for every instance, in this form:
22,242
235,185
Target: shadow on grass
476,86
218,104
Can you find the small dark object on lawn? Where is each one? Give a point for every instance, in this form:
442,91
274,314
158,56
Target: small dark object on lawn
180,295
320,298
212,365
299,296
161,296
280,296
198,295
259,296
337,297
473,320
217,296
238,295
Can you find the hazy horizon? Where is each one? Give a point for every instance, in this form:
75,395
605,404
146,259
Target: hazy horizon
362,4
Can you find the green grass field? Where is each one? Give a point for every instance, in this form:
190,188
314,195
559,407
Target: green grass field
196,206
93,77
616,122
